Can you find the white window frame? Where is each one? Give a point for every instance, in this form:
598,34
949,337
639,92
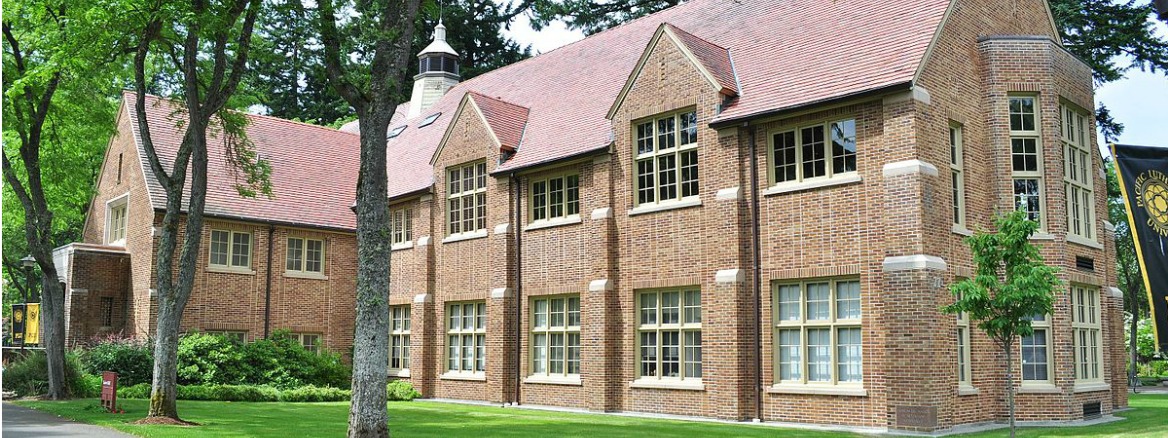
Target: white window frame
460,361
399,340
302,253
541,353
456,219
304,339
689,322
677,152
957,167
1078,172
546,213
231,250
117,224
1040,324
1087,329
802,324
800,177
402,227
964,352
1023,135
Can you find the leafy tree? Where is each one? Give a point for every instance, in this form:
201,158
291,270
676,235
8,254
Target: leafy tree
384,27
1011,286
53,52
207,44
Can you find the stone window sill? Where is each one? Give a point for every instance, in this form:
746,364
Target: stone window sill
1071,238
554,380
229,270
652,383
1091,387
474,377
404,373
1038,235
851,391
671,205
305,275
465,236
1039,388
788,187
403,245
960,229
557,222
966,389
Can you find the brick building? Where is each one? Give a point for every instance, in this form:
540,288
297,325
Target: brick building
731,209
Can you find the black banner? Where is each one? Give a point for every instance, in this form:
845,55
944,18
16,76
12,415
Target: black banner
1143,177
18,318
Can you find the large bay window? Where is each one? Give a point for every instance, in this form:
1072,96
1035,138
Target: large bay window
555,336
1026,157
1078,177
466,198
230,249
818,337
822,150
556,197
1036,352
666,158
669,334
1086,326
399,338
466,338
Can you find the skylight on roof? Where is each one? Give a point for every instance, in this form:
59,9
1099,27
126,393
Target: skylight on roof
397,131
429,120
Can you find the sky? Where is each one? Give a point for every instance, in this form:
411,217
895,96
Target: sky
1139,101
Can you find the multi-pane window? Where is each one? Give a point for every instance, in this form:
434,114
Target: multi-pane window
669,334
466,337
957,166
1026,157
305,255
230,249
466,198
1086,326
555,336
1036,351
107,311
116,227
964,358
310,341
817,332
817,151
667,158
1077,175
399,337
555,198
401,225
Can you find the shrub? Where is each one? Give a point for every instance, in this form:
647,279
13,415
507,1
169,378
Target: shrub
210,359
89,386
284,363
140,391
401,390
314,394
132,359
29,376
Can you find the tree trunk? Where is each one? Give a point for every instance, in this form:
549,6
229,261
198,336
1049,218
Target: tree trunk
1010,385
53,317
367,415
164,387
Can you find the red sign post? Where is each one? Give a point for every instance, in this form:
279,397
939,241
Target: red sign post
109,391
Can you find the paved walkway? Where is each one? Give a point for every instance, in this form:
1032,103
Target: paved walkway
21,422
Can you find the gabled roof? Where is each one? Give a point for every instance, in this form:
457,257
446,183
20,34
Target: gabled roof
505,119
785,55
713,59
314,168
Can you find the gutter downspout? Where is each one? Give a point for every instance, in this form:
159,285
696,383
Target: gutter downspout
268,288
756,273
518,286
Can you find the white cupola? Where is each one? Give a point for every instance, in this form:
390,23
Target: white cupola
437,73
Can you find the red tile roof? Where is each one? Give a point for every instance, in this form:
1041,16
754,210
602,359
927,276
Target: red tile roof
714,58
314,168
505,119
785,55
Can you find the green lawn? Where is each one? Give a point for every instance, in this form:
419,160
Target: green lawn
429,419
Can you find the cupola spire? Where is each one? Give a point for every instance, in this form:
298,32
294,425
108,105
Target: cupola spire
437,72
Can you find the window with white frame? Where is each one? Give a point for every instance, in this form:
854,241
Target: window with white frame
818,332
964,350
669,334
305,256
230,249
310,341
399,338
555,336
1026,157
1086,326
116,222
556,197
402,225
822,150
1036,351
466,198
466,337
1078,176
666,158
957,167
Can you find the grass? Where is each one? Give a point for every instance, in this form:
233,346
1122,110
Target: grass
1149,418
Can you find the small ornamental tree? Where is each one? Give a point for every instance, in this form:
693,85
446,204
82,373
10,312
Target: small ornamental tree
1011,286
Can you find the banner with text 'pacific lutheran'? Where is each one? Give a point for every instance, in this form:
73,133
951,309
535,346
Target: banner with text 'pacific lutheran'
1143,177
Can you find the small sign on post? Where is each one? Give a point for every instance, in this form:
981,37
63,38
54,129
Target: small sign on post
109,391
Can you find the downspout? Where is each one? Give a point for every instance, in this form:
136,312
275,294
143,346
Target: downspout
756,273
518,221
268,287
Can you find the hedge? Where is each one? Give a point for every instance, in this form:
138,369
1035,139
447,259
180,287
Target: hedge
395,391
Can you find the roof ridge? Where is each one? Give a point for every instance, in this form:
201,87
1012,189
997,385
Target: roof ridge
695,36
